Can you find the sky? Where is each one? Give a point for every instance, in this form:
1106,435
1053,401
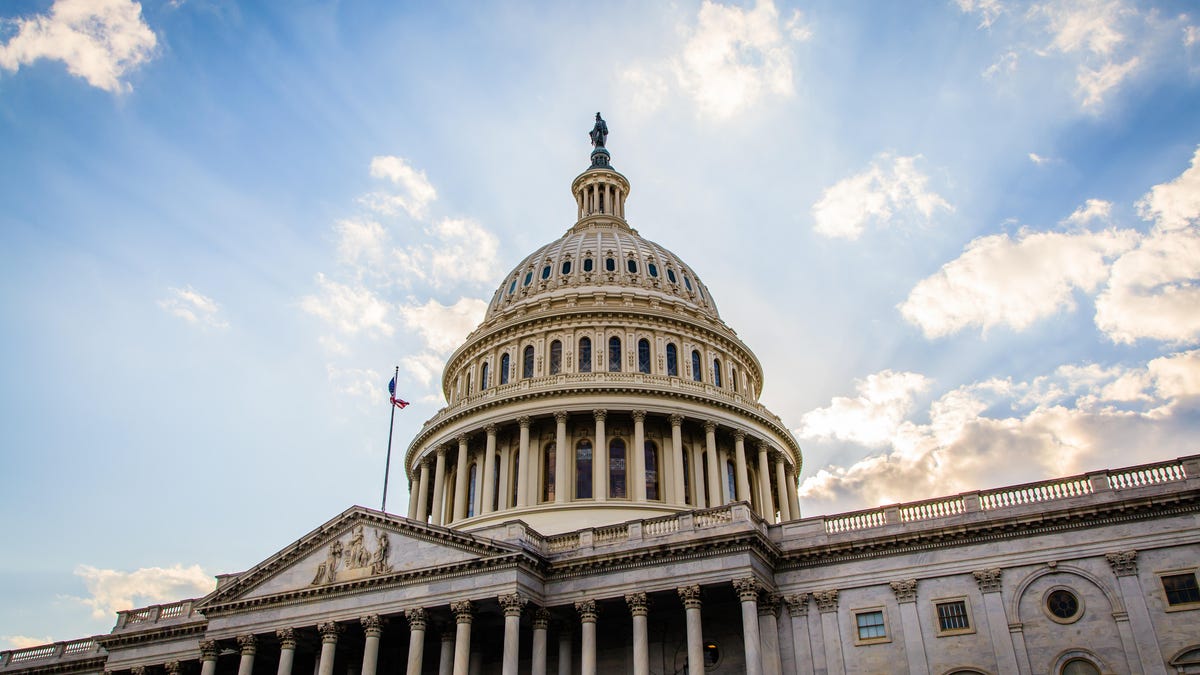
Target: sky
962,237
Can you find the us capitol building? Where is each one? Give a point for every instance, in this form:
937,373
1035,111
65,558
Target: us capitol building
604,493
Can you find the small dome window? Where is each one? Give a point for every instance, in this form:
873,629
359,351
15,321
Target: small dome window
512,288
652,269
610,264
631,265
587,264
671,276
687,282
528,278
546,272
566,267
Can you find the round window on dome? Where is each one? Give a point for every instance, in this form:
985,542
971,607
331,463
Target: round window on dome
652,269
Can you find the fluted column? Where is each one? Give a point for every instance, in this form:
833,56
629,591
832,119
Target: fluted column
739,463
989,581
690,595
248,645
905,591
329,637
412,500
641,641
680,496
831,636
1124,566
523,471
208,657
463,614
698,459
561,483
785,509
587,636
768,631
372,629
600,459
422,513
460,480
439,487
637,457
537,657
564,651
747,590
446,658
287,650
767,504
489,470
792,497
512,605
802,652
714,471
416,639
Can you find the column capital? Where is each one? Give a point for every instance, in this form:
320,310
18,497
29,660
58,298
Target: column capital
287,638
448,634
777,458
247,644
739,434
426,461
512,603
827,601
676,420
208,650
490,428
560,416
690,595
330,631
600,414
138,670
441,451
988,580
523,421
173,667
747,588
638,415
1123,563
905,590
587,610
462,439
768,604
372,625
541,618
797,604
710,426
638,606
463,611
416,618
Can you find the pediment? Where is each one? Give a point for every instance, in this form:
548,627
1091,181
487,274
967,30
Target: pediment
358,545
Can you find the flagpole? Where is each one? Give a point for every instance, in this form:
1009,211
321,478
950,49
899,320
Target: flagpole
387,467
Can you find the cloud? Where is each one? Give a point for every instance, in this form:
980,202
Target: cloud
1094,83
23,641
350,309
112,590
731,59
98,40
1005,65
870,418
1174,205
463,251
444,327
357,382
416,192
362,243
998,281
425,367
988,10
1038,159
193,307
1093,209
890,187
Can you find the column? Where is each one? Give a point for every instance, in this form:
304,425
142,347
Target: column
677,458
462,638
690,595
831,636
637,457
505,497
329,637
248,645
641,641
208,657
173,668
797,606
1124,566
541,620
422,513
439,487
792,497
905,591
767,503
416,639
768,630
446,660
587,637
747,590
698,481
460,480
523,463
564,651
600,459
287,650
739,463
512,605
489,470
785,510
412,501
714,471
372,629
561,456
993,604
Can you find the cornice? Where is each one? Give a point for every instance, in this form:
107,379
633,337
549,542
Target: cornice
89,665
692,548
115,640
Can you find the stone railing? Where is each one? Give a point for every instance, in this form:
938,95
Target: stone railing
639,530
72,649
1018,495
154,613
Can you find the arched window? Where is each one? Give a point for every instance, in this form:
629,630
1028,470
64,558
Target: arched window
483,377
583,469
1079,667
643,356
631,265
614,354
527,362
555,357
652,269
587,264
610,264
731,480
733,378
585,355
616,468
671,275
528,278
672,360
566,267
504,364
651,455
716,372
470,382
548,473
697,371
471,489
512,288
546,272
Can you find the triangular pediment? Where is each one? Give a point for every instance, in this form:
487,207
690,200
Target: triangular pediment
358,545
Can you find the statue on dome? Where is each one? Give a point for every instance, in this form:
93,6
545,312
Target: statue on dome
599,132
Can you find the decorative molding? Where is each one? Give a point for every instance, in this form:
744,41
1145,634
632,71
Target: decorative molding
372,625
286,637
638,415
462,440
676,420
1123,563
490,428
747,589
638,606
587,610
523,421
827,601
541,618
247,644
512,603
797,604
710,426
463,611
330,631
690,595
208,650
600,414
768,604
137,670
173,667
905,590
416,618
739,435
988,580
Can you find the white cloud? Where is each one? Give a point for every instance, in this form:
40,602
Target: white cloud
1191,35
193,307
1038,159
1005,65
98,40
463,251
1084,25
416,192
998,281
425,367
23,641
1095,83
444,327
112,590
871,418
1093,209
351,309
1174,205
357,382
890,187
361,242
988,10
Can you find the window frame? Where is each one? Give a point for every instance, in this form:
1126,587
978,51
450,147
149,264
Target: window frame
937,616
1056,618
1181,606
556,354
528,362
644,364
672,360
585,354
862,611
505,364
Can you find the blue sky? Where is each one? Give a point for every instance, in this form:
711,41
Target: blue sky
962,236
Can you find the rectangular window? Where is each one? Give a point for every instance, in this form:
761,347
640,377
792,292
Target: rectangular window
1181,589
952,616
870,625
